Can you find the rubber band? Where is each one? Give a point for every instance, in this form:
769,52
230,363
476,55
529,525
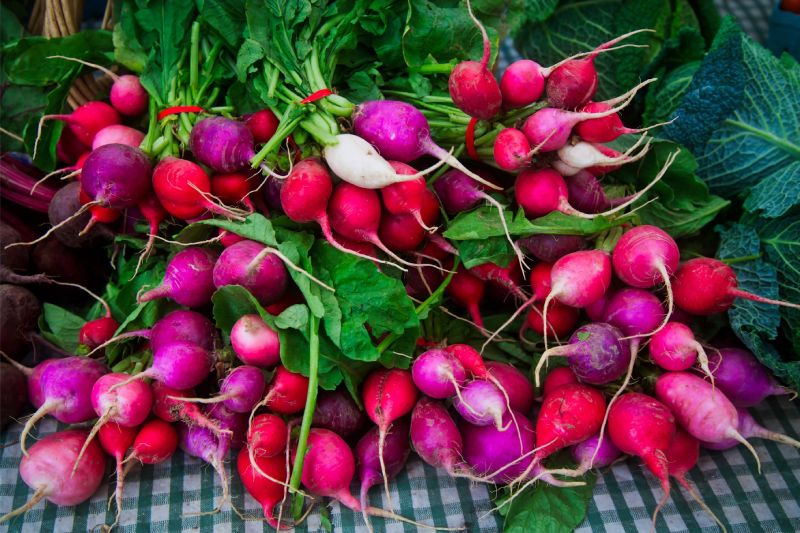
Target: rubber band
317,95
469,139
179,109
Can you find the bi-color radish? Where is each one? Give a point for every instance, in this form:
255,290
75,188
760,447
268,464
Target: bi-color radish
438,374
254,266
597,158
674,348
240,391
740,376
188,279
254,342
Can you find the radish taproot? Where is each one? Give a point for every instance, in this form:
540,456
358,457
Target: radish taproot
596,158
395,455
115,441
749,427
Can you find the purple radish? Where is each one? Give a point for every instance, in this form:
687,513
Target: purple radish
179,365
438,374
584,453
255,267
395,454
202,443
551,248
65,391
337,411
223,144
574,83
472,85
234,426
180,325
240,391
116,175
481,403
188,280
674,348
739,375
254,342
596,354
749,428
586,194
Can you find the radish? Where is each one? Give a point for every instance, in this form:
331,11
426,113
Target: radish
287,392
154,213
523,81
583,453
596,158
116,175
502,276
254,342
223,144
436,438
438,374
117,134
202,443
748,427
549,128
481,403
240,391
128,405
468,291
560,375
267,435
642,426
115,440
458,193
329,467
512,150
406,197
472,85
103,215
705,286
682,456
400,132
262,125
596,353
179,365
265,491
47,469
179,326
706,414
98,331
234,426
400,233
167,407
388,395
233,188
515,383
574,83
674,348
188,279
255,267
65,392
155,442
741,378
337,411
586,194
184,190
84,122
561,319
645,256
395,450
608,128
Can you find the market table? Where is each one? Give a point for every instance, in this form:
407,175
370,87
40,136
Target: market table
160,498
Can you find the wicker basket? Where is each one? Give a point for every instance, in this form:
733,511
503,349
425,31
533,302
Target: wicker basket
57,18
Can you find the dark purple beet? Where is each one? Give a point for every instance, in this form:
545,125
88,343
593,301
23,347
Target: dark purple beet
337,412
550,248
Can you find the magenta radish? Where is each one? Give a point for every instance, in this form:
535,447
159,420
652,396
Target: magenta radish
387,396
481,403
337,411
84,122
583,452
596,353
586,194
223,144
255,267
515,383
642,426
705,286
748,427
400,132
436,438
329,467
254,342
287,392
705,413
167,407
458,192
674,348
400,233
406,197
604,129
118,134
573,83
65,390
202,443
260,486
560,375
116,175
262,125
240,391
179,365
438,374
472,85
116,440
267,435
467,291
395,454
47,469
188,279
512,150
155,442
740,376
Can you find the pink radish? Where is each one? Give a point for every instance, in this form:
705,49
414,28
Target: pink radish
561,319
515,383
400,233
705,286
674,348
560,375
254,342
179,326
287,392
523,81
436,438
512,150
740,376
406,196
116,440
84,122
188,279
203,444
438,374
47,469
748,427
254,266
117,134
155,442
395,451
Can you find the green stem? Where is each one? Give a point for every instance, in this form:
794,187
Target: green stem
194,60
308,415
287,124
435,68
734,260
273,76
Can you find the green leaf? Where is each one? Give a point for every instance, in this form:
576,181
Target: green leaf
20,104
666,95
249,54
128,50
61,327
492,250
539,10
10,28
227,17
741,119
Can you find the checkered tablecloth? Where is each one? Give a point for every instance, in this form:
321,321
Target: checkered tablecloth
159,499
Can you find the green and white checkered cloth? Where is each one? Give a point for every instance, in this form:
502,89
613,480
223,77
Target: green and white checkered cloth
158,499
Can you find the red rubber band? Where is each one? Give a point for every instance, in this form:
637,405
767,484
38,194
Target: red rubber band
179,109
469,139
317,95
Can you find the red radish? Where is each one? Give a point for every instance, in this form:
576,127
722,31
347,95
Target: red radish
287,392
396,450
515,383
240,391
748,427
574,83
741,378
188,279
468,291
254,342
705,286
184,189
154,213
65,391
400,233
500,275
338,411
116,175
605,129
512,150
388,394
705,413
472,85
117,134
550,128
267,435
561,319
256,267
406,196
561,375
233,188
262,125
48,471
116,440
642,426
264,491
70,148
228,238
96,332
84,122
155,442
674,348
438,374
168,408
682,456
